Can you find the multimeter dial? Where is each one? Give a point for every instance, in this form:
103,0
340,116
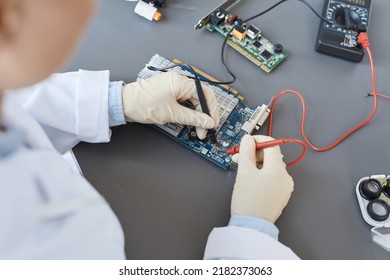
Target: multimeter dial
346,16
338,35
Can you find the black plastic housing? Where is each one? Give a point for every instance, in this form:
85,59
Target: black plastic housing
330,39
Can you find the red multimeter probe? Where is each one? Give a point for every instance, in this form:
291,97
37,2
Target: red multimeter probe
267,144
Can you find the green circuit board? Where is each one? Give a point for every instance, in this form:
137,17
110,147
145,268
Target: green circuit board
247,40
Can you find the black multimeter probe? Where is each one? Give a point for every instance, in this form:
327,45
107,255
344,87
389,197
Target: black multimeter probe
211,133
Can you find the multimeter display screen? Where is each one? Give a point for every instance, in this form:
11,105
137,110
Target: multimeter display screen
359,2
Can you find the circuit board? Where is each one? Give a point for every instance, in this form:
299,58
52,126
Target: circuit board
236,118
246,39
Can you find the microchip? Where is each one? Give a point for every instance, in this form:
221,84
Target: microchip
257,44
266,54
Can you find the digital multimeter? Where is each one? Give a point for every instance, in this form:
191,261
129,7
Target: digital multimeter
340,38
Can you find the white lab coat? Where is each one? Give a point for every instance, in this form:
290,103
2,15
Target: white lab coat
49,211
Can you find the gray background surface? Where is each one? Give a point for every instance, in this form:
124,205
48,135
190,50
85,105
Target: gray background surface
168,198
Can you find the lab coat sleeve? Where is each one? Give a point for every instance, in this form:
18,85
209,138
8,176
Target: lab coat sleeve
233,242
115,105
70,107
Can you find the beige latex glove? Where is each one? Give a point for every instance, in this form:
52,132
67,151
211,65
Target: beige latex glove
156,100
263,186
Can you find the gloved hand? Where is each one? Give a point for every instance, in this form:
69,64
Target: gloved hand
156,100
263,186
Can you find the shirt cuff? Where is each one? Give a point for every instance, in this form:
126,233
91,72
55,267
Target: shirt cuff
258,224
115,107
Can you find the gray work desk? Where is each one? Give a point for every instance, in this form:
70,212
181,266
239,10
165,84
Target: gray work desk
168,198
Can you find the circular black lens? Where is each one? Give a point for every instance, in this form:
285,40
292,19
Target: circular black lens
378,210
370,189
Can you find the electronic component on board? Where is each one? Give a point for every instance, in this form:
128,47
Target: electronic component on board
252,32
278,48
257,44
339,39
236,118
192,136
257,119
239,32
232,19
248,41
266,54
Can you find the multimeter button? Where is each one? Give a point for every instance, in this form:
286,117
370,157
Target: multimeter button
370,189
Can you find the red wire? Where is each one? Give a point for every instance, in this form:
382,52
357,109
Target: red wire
364,41
302,153
277,142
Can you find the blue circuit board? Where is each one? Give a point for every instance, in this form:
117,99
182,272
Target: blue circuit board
229,134
235,119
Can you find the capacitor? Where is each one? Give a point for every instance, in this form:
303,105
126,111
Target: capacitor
147,11
192,136
232,19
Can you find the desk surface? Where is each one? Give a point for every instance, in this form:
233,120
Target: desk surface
168,198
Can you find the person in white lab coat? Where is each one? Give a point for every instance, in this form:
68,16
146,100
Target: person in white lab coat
50,211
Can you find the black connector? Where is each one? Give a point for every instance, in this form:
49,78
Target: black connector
157,3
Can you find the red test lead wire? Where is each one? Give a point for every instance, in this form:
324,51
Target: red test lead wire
363,40
266,144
